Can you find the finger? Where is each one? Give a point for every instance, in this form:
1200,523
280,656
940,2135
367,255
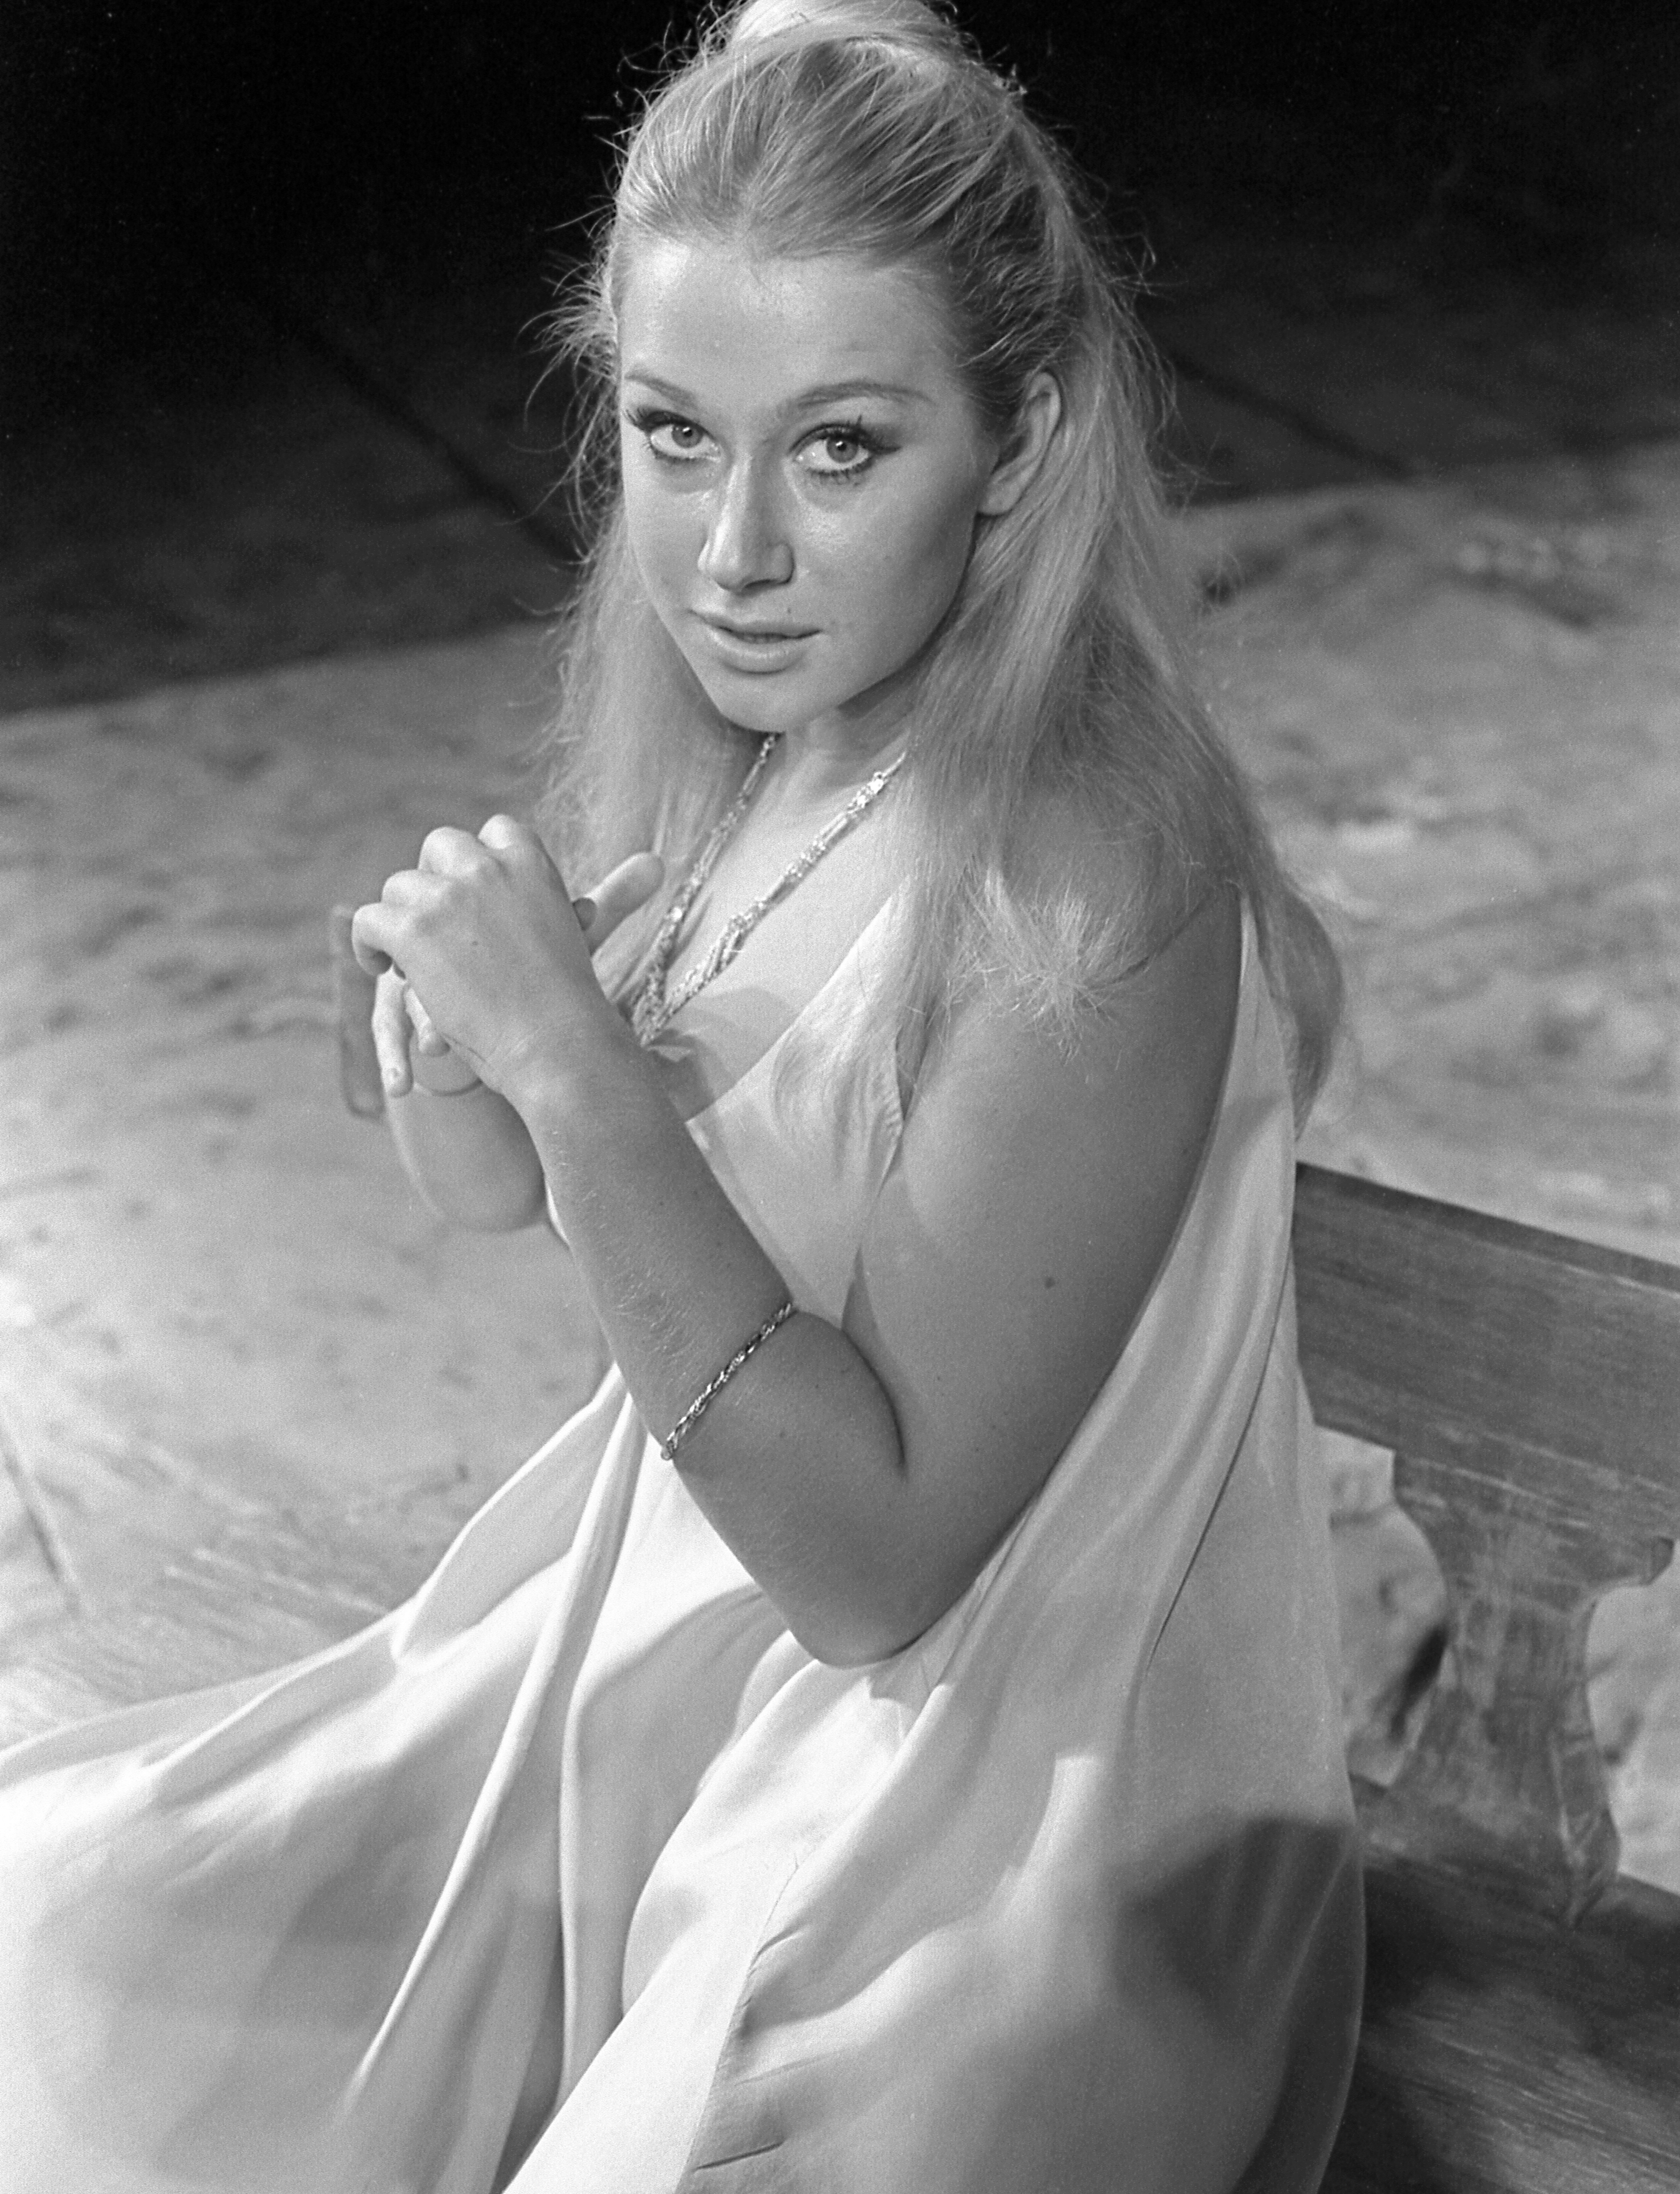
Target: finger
427,1040
447,852
390,1035
353,994
506,834
618,894
371,936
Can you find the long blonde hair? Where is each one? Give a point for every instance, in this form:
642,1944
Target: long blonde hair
1062,675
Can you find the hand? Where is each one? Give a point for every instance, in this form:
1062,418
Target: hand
403,1034
483,929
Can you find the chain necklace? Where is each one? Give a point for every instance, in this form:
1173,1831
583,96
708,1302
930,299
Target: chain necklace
654,1005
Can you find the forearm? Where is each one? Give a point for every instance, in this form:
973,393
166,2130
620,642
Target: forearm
469,1157
797,1463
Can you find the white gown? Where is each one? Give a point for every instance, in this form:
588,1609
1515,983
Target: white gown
1064,1896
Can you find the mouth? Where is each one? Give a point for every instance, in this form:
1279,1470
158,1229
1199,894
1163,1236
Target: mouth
739,645
734,629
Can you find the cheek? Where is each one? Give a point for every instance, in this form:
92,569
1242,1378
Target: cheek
655,527
912,570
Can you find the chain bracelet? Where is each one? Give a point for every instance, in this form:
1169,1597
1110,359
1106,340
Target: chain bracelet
697,1408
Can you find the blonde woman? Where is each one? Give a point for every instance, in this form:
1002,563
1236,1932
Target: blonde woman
888,1739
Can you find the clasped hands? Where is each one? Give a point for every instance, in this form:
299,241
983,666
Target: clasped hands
484,958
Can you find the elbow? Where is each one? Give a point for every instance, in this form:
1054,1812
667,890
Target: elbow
857,1636
848,1645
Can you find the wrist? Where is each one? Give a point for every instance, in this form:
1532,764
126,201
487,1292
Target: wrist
560,1072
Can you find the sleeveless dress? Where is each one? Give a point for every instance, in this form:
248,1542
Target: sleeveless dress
1064,1896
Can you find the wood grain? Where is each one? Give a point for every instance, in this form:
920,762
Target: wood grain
1530,1386
1503,2053
1521,2028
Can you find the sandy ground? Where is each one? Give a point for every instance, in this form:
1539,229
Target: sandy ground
253,1387
222,1314
1462,703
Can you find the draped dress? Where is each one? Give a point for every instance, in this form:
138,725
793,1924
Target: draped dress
1063,1896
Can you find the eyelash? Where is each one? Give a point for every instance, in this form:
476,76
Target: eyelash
647,422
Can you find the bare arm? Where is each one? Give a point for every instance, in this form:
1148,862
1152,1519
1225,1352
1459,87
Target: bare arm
862,1471
467,1155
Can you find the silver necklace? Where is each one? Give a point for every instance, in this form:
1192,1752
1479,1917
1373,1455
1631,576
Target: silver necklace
654,1005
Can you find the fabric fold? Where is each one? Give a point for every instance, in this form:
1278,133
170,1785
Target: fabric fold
580,1838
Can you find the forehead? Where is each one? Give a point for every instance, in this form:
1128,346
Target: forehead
754,324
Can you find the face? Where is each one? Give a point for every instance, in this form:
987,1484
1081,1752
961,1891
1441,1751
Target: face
802,475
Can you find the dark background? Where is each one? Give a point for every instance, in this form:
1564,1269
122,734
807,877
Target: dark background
154,153
289,207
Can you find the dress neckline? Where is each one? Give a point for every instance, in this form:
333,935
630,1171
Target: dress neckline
766,1060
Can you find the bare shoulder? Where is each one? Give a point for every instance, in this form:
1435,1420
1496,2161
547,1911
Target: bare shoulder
1124,1101
1163,1025
1036,1190
1076,863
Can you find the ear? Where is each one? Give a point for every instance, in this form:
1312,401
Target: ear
1024,452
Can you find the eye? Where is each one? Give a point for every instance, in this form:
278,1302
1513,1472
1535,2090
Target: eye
839,452
676,441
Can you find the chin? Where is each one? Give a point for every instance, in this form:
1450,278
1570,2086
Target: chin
751,705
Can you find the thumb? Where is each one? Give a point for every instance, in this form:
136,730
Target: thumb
618,895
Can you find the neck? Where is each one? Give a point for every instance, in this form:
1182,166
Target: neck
822,764
835,752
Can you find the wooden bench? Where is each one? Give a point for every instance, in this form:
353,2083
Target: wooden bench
1523,2004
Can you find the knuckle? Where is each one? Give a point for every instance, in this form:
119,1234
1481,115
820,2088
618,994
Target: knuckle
429,905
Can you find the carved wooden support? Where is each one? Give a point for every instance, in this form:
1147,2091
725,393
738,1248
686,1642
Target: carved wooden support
358,1075
1529,1386
1506,1777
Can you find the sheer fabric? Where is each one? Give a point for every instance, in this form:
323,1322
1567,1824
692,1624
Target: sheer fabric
1063,1896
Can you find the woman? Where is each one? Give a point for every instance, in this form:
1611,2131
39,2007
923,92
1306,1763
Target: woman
889,1738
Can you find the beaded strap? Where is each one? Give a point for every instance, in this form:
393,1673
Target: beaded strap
650,1013
654,1005
708,1394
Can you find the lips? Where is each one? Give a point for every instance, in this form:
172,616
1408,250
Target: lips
753,648
736,630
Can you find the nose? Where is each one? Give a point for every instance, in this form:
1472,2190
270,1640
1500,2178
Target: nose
746,542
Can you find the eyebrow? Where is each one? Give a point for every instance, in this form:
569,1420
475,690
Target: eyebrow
807,399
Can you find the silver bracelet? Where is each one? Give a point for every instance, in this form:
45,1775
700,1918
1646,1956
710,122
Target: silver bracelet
697,1408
